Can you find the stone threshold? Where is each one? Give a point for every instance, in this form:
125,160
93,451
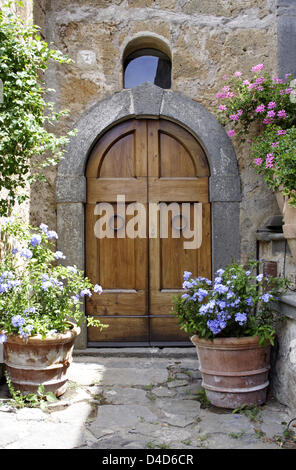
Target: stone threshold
189,352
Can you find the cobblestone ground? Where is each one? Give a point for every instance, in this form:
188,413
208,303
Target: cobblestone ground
145,400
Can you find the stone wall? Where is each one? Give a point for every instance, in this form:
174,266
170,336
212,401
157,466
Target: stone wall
207,40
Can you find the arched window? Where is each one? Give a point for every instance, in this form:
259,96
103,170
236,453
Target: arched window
147,65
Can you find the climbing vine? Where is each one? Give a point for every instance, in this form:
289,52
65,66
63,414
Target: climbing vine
27,120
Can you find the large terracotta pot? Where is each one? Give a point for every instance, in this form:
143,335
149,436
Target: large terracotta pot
234,370
40,361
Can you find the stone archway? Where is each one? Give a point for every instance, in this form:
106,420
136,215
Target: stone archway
149,101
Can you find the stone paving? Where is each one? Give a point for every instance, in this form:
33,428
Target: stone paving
139,399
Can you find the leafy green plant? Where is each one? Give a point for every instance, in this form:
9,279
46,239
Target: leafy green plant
27,120
201,396
38,295
30,400
263,106
237,303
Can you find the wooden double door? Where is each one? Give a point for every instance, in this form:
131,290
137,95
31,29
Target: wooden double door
138,175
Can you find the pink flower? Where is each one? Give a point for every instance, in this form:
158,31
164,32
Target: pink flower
220,95
260,109
275,144
281,132
277,80
271,105
267,121
225,88
282,92
258,161
237,73
252,85
269,160
259,80
234,117
260,88
239,112
231,133
257,67
224,77
222,107
282,114
288,91
229,94
271,114
246,82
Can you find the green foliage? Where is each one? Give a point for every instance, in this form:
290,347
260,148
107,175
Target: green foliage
30,400
27,120
264,106
237,303
38,295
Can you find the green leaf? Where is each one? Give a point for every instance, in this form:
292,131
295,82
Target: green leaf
50,397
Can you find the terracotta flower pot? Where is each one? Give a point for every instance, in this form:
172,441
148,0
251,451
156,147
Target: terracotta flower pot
234,370
40,361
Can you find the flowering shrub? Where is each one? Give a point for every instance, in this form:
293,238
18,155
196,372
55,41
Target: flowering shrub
37,295
268,103
238,303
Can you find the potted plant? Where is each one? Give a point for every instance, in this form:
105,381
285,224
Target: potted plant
263,107
232,324
40,307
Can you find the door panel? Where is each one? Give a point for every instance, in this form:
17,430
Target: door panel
150,162
116,166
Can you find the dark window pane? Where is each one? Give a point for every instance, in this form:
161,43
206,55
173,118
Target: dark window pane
147,65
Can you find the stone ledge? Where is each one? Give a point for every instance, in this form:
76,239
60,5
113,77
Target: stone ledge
189,352
287,305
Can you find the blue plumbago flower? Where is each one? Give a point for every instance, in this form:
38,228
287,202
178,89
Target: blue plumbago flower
187,275
26,253
259,277
218,280
72,269
185,296
230,294
35,240
266,297
98,289
202,293
44,228
220,272
85,292
234,277
46,285
3,338
221,289
29,310
216,326
52,234
235,303
241,318
59,255
26,331
187,284
250,301
14,251
18,320
209,307
221,304
75,299
248,273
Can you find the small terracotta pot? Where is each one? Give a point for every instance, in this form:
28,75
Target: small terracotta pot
40,361
234,370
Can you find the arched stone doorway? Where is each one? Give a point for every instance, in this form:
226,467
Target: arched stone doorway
149,101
